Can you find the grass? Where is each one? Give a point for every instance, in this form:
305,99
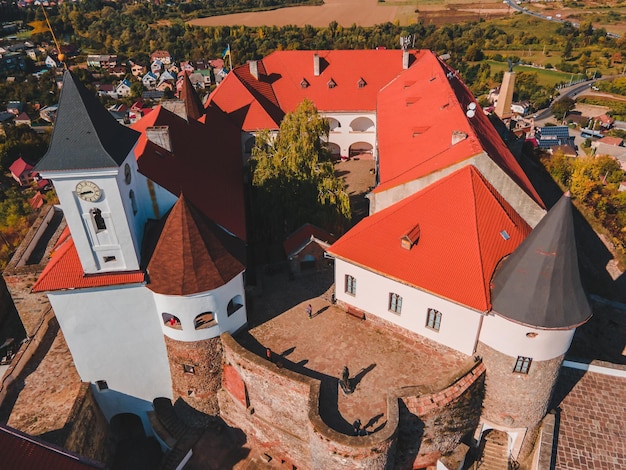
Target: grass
546,77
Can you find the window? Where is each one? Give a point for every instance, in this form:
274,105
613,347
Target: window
109,259
350,284
332,83
102,385
189,369
127,174
522,365
361,83
395,303
433,319
204,320
133,201
235,304
171,320
98,220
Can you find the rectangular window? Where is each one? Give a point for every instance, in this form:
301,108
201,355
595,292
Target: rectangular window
189,369
102,385
395,303
522,365
109,259
433,319
350,284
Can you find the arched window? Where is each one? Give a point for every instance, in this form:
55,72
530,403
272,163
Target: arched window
98,220
171,321
334,124
362,124
235,304
204,320
249,145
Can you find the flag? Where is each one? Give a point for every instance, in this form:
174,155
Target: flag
226,52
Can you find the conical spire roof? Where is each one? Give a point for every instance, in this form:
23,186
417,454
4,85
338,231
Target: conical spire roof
539,284
193,254
85,135
188,94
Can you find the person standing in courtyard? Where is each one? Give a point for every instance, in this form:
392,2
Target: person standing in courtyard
309,311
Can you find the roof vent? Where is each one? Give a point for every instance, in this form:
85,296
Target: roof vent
332,83
410,238
409,83
254,68
316,65
304,83
412,100
419,130
458,136
361,83
504,234
160,135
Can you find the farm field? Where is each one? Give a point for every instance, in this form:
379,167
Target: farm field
545,77
365,13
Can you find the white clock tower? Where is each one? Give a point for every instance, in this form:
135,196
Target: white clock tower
92,165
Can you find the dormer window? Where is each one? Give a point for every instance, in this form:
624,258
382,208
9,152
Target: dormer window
410,238
361,83
332,83
304,83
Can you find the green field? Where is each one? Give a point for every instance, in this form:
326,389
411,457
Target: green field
546,77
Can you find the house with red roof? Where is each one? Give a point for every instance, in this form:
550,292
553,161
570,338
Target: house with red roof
22,172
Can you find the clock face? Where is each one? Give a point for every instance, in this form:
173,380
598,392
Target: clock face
88,191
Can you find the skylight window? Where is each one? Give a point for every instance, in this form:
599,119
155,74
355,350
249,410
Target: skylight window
505,234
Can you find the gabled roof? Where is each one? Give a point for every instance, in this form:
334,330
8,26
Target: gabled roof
193,254
64,271
278,90
465,229
304,235
19,166
85,134
23,452
539,284
419,113
205,163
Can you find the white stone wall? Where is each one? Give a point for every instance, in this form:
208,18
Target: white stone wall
514,339
186,308
113,335
459,325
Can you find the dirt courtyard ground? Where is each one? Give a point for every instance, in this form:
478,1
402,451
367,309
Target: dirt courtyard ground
362,13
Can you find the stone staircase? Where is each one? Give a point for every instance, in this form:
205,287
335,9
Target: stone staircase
179,437
495,454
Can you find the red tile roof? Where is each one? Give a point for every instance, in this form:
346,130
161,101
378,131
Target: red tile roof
461,218
303,235
278,89
64,271
205,164
23,452
19,166
417,115
193,254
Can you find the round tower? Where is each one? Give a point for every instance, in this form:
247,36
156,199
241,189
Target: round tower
537,303
196,276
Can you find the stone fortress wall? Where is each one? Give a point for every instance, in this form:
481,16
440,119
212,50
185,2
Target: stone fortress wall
278,410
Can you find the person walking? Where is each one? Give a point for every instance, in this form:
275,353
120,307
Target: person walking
309,311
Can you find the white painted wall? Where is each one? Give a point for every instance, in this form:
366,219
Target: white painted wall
512,339
344,136
186,308
459,324
112,402
113,335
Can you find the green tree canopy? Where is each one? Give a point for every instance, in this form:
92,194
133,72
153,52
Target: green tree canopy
293,178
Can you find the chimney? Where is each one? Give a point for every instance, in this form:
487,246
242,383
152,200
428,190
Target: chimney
160,135
458,136
405,59
316,65
254,68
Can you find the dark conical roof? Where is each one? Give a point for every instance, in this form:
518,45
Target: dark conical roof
188,94
539,284
85,135
193,254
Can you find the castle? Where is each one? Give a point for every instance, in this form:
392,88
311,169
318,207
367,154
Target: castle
148,280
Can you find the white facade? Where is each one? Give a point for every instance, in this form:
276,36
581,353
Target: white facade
225,306
514,339
459,326
113,337
352,132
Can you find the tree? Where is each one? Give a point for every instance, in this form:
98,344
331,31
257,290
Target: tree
293,178
561,107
